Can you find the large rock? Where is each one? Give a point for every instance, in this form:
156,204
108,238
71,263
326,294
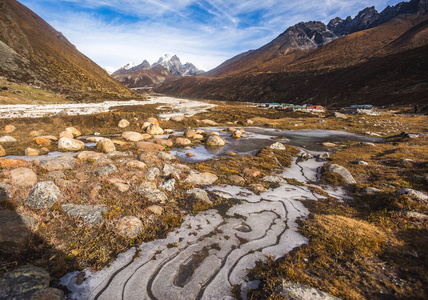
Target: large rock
201,178
154,129
73,131
23,177
189,133
413,194
168,170
163,142
347,177
168,185
129,227
66,134
66,144
13,163
152,173
90,156
277,146
132,136
7,139
177,118
215,140
236,179
28,282
5,191
91,214
66,162
42,141
43,195
199,194
32,152
151,192
110,169
291,290
106,145
136,164
209,122
123,123
9,128
182,141
338,115
153,120
15,228
147,146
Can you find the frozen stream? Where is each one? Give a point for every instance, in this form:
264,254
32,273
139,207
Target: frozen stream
183,107
210,252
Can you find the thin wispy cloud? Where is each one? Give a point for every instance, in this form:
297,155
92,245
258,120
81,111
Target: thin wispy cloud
204,32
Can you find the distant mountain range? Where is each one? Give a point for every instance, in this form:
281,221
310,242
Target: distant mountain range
145,75
379,58
32,52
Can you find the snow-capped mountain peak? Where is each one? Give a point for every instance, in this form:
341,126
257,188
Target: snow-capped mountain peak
110,70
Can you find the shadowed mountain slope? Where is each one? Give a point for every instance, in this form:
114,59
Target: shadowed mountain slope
308,64
32,52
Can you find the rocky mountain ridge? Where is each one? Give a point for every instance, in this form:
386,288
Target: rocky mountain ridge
145,75
326,64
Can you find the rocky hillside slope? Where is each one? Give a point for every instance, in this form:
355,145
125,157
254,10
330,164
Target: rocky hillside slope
32,52
384,61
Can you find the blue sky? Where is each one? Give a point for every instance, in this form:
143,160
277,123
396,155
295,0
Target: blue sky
204,32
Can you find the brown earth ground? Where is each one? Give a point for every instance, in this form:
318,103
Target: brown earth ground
367,247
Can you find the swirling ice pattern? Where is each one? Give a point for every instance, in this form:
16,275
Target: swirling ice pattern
209,253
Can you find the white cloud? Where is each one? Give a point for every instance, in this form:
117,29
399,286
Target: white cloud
160,26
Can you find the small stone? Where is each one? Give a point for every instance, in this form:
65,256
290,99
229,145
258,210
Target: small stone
154,129
273,179
168,170
147,146
231,129
277,146
7,139
73,131
177,118
37,132
215,140
250,122
360,163
163,142
115,155
413,194
129,227
156,209
338,115
199,194
230,153
132,136
118,142
215,133
236,179
136,164
152,173
368,144
153,120
237,134
66,134
258,188
198,137
323,156
32,152
119,184
44,151
305,156
9,129
13,163
66,162
151,192
91,214
209,122
107,170
329,145
23,177
166,156
290,290
168,185
189,154
43,195
343,172
42,141
201,178
189,133
251,172
369,191
123,123
182,142
65,144
106,145
2,151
